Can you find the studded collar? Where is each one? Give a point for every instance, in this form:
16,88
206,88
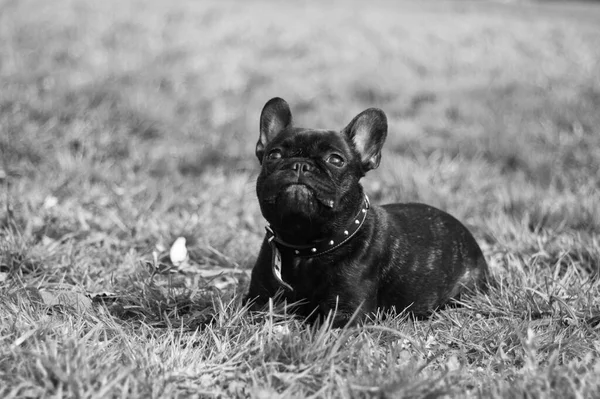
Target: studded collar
324,246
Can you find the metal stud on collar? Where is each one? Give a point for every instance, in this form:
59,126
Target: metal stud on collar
323,247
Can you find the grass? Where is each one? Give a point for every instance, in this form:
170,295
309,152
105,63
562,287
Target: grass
124,125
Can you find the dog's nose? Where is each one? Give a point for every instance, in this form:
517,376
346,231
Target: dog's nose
301,167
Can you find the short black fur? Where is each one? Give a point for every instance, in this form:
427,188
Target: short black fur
405,256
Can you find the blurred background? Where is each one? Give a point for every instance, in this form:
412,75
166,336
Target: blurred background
124,124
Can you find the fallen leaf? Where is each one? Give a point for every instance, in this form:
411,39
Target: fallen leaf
178,253
50,202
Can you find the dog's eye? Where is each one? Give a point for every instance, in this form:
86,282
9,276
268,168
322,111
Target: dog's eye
336,160
275,154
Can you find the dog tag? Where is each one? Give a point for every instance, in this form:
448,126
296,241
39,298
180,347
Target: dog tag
276,265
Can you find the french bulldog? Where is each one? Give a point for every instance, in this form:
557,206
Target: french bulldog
328,249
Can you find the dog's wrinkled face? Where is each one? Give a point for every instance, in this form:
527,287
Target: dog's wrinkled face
309,177
305,174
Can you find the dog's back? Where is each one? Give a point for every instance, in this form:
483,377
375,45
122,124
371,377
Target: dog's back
435,258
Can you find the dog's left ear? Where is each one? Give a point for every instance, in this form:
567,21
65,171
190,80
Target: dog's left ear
274,118
367,131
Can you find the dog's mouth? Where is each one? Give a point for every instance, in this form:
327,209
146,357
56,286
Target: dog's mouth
296,197
299,192
299,211
303,195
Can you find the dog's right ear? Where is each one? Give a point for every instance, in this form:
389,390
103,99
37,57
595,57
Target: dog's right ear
274,118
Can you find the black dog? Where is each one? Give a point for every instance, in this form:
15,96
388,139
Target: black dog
329,248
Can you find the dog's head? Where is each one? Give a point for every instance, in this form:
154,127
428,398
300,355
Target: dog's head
310,178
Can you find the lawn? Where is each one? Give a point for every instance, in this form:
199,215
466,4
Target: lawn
127,124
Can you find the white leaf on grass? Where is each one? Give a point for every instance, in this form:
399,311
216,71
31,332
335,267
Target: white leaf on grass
178,253
50,202
3,277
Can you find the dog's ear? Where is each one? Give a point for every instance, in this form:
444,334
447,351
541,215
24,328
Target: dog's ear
274,118
367,131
